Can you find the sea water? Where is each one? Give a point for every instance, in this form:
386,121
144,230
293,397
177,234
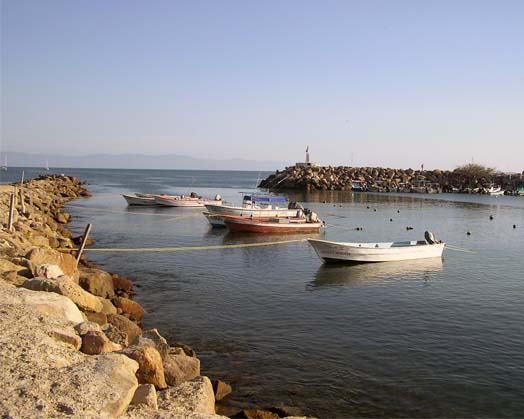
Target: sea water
429,338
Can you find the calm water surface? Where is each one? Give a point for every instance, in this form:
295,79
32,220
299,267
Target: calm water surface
407,339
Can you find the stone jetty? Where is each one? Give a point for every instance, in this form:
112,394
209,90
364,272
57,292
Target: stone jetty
72,344
468,179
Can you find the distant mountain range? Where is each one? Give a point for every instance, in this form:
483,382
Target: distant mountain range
137,161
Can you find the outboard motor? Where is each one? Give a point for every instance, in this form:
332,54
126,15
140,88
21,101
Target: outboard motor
218,197
430,238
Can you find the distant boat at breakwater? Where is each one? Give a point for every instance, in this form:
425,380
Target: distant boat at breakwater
377,179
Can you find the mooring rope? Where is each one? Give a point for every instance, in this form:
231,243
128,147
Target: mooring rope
184,248
137,213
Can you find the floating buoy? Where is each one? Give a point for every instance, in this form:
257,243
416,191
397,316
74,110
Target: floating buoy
391,219
491,217
367,207
409,228
398,211
374,209
359,228
468,233
514,225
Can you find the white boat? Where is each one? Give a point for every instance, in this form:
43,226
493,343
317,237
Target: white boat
216,220
3,168
256,205
378,252
495,191
140,199
191,201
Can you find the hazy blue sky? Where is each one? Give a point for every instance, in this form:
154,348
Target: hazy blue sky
387,83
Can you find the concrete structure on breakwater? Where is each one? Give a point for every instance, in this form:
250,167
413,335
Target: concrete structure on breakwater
377,179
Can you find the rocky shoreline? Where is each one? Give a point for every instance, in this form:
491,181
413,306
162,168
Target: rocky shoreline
467,179
72,343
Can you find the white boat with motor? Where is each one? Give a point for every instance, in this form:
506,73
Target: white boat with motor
256,205
191,201
378,252
496,191
140,199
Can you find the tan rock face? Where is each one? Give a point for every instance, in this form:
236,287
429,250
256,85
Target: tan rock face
192,396
179,368
66,262
97,282
52,305
125,325
145,394
130,308
150,370
65,286
221,389
94,343
152,338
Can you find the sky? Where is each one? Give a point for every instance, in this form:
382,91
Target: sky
362,83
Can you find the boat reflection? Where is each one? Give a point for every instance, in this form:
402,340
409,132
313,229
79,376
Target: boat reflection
339,275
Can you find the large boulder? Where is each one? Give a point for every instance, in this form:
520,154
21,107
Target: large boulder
150,370
145,394
47,271
194,396
43,377
94,343
125,325
129,308
178,367
97,282
152,338
40,256
65,286
52,305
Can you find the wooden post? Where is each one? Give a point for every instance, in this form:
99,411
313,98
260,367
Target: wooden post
22,202
22,179
11,209
84,240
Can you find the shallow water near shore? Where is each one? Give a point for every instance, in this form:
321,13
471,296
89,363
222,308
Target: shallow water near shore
431,338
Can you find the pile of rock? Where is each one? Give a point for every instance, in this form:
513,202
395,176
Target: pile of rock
71,342
378,179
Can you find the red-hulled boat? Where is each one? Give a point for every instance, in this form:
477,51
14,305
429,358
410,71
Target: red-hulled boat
272,224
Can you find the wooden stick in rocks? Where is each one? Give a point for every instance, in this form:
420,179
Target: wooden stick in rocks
84,240
11,209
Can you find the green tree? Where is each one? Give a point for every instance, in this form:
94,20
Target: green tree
472,175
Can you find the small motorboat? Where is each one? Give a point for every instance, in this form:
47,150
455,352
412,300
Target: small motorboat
193,200
378,252
257,205
303,224
140,199
495,191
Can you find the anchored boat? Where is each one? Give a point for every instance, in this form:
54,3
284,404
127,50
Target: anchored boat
256,205
273,224
140,199
378,252
193,200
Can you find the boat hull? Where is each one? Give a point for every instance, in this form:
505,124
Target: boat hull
247,212
216,220
183,201
267,226
139,200
370,252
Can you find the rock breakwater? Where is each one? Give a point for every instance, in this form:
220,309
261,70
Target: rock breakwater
378,179
72,344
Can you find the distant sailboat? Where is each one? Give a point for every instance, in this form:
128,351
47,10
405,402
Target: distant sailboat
46,167
4,167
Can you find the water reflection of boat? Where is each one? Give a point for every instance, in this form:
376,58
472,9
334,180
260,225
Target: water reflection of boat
338,275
